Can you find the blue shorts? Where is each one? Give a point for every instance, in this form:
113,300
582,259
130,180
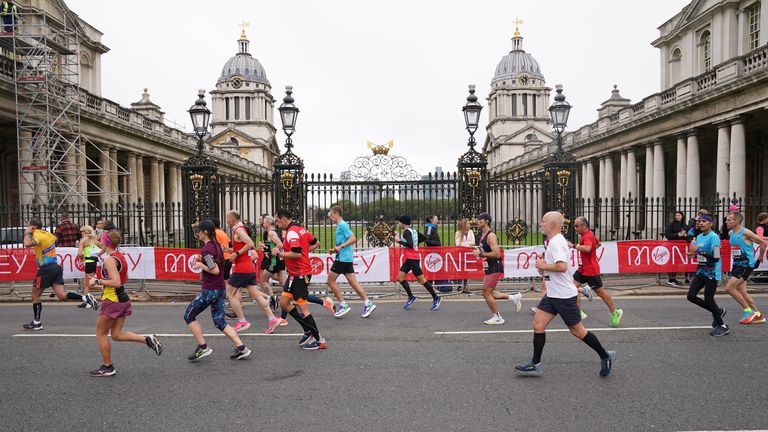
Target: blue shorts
567,308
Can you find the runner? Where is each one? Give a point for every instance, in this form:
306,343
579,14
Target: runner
226,268
588,273
344,265
89,252
744,262
560,295
49,272
706,247
272,267
210,262
296,258
410,243
489,249
115,305
244,276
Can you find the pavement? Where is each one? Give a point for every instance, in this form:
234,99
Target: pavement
414,370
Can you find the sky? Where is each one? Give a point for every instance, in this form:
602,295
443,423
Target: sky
378,70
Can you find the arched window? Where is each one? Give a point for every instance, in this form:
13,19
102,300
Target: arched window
675,66
706,51
247,108
237,107
226,108
85,72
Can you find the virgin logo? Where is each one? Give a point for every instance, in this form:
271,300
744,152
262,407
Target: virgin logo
317,265
433,262
191,264
660,255
526,260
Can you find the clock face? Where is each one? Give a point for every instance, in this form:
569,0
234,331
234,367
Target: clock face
523,80
237,82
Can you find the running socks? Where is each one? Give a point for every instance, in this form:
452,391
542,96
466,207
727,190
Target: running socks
37,309
240,348
539,339
310,320
74,296
304,322
428,286
591,340
407,288
203,346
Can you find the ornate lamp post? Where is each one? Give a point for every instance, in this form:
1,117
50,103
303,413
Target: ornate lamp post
560,169
473,172
289,168
198,174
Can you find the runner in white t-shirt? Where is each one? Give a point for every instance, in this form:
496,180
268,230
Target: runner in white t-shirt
560,296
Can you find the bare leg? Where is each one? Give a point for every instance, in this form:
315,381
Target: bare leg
103,324
732,288
260,298
235,302
490,299
603,294
334,286
232,335
742,288
125,336
197,332
265,285
352,279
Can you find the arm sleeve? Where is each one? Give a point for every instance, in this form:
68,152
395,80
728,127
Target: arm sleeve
407,239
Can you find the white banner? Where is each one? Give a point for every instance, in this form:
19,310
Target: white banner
141,262
521,262
371,265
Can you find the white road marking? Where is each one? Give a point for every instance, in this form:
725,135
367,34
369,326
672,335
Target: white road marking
471,332
168,335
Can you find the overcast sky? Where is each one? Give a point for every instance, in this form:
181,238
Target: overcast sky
378,70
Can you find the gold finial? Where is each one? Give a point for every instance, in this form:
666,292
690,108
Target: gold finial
517,22
244,24
381,149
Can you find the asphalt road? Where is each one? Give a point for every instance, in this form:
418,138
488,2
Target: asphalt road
391,372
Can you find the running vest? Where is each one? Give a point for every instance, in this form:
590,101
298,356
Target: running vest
412,253
268,246
91,252
741,250
243,263
116,294
490,265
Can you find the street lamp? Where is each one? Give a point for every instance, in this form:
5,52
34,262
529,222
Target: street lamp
288,114
200,115
472,114
559,112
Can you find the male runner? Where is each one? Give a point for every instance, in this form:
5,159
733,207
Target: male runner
706,248
494,270
296,256
244,275
272,267
744,262
589,270
410,243
560,295
49,272
344,265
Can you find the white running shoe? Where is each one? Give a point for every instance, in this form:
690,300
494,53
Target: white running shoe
587,292
518,299
494,320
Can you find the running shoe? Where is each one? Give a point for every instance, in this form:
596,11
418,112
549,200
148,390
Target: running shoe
747,317
583,315
494,320
283,322
273,302
587,292
722,315
529,369
436,303
720,331
518,300
199,353
230,315
306,337
315,345
103,371
328,304
606,364
241,325
368,310
616,317
91,301
673,283
154,344
83,305
239,355
759,318
533,309
409,302
32,326
341,310
273,323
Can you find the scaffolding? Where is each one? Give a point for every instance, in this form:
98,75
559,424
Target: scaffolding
57,164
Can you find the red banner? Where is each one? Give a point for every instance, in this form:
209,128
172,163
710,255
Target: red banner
441,263
656,256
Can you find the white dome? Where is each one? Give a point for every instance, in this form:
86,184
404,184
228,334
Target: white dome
245,65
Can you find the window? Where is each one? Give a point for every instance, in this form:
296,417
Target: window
753,35
706,50
533,104
674,66
247,108
514,104
525,105
226,108
237,107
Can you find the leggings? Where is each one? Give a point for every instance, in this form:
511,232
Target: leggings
212,298
709,285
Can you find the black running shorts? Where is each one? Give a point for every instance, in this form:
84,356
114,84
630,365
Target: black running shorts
342,268
741,272
297,288
594,282
90,267
567,308
411,265
242,280
49,275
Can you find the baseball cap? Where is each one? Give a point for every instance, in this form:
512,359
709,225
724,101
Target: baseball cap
206,225
734,208
484,216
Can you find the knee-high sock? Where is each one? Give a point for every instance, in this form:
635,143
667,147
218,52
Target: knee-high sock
539,339
428,286
407,288
304,324
310,320
37,310
591,340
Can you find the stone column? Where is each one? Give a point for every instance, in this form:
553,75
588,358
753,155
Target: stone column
659,184
648,198
723,159
609,195
154,180
738,175
161,178
583,180
82,163
632,187
71,166
139,179
693,177
132,192
623,176
682,168
114,188
601,179
104,166
173,173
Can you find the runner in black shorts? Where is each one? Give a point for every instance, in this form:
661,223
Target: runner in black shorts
410,245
